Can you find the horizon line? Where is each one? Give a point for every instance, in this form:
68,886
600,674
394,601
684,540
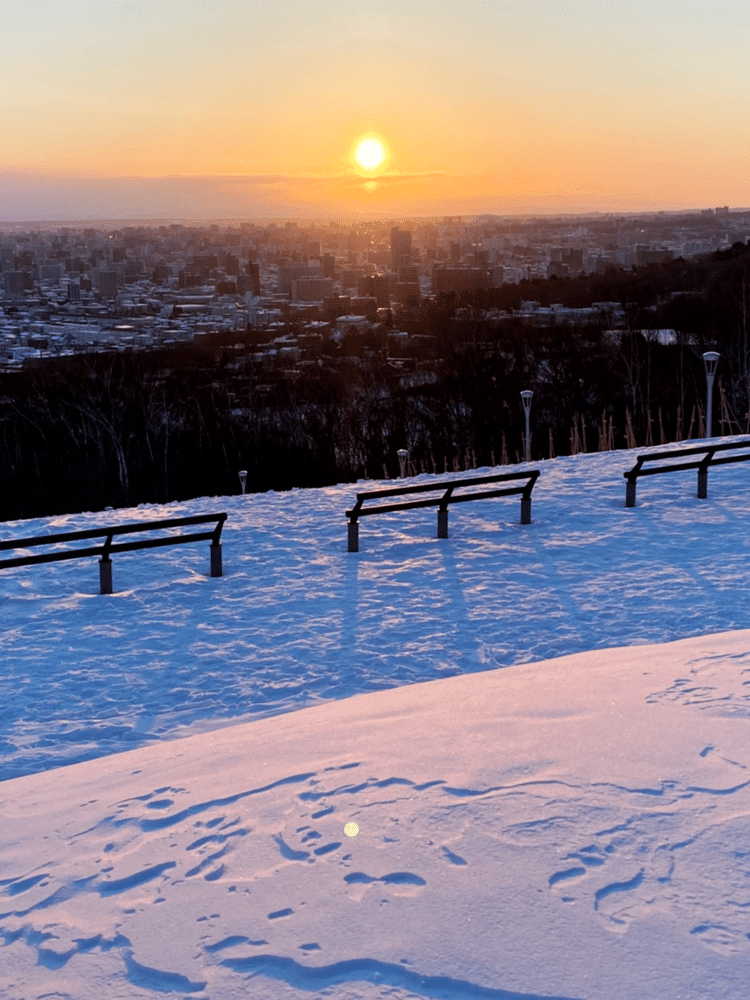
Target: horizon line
359,218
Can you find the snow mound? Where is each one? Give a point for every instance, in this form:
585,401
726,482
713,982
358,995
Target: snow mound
576,828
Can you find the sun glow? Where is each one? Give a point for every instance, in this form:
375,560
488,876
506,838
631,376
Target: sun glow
370,154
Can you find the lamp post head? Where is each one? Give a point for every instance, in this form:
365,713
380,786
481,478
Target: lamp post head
243,478
402,452
710,360
526,397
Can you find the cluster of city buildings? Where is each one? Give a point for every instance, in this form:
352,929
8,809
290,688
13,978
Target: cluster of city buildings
68,289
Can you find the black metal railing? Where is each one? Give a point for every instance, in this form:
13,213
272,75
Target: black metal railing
105,550
702,465
448,496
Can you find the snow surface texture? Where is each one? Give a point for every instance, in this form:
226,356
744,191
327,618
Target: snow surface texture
572,828
578,828
297,620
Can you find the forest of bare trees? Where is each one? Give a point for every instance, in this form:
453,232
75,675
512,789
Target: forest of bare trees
90,431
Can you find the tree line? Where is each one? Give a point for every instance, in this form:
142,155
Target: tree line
91,431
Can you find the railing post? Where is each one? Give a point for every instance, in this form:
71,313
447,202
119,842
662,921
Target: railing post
703,475
525,510
216,559
105,575
353,537
442,523
630,493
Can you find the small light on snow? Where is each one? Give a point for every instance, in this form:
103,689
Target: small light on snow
351,829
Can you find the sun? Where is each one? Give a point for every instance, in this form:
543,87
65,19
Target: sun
370,154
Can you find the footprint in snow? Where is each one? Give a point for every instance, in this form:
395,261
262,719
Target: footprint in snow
400,883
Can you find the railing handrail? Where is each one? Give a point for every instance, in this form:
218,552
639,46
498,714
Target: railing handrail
708,449
448,487
709,459
446,495
108,533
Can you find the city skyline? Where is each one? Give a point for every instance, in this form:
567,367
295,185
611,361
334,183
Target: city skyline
190,110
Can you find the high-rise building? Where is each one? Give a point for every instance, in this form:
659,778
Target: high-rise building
408,293
363,305
400,248
311,289
231,264
556,269
646,255
409,274
460,279
49,270
378,287
287,273
575,258
253,272
329,265
107,283
350,277
18,282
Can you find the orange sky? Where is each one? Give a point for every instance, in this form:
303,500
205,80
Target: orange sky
236,108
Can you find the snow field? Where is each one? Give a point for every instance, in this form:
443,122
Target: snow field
574,828
297,621
567,827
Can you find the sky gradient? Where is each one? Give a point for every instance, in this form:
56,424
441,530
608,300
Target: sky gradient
238,109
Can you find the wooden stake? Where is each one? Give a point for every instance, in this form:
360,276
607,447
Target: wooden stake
575,439
629,435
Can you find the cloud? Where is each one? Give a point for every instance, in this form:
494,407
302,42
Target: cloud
266,180
388,179
47,197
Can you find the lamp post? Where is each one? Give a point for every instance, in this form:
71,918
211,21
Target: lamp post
243,479
526,396
402,454
710,360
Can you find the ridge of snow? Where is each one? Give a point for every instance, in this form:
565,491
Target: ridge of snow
570,828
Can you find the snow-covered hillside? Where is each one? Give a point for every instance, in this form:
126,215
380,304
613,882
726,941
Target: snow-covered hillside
576,827
297,620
